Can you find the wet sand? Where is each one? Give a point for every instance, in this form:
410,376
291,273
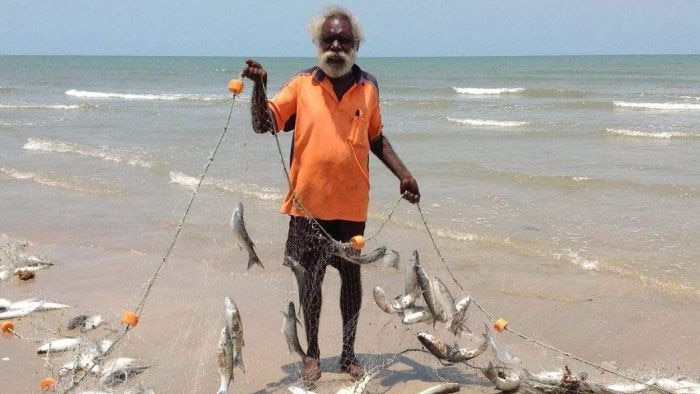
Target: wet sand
607,319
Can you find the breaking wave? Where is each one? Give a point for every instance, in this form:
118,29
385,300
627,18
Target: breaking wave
52,182
47,106
117,156
488,123
487,91
231,186
651,134
145,96
660,106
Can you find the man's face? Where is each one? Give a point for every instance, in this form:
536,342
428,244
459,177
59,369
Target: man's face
336,50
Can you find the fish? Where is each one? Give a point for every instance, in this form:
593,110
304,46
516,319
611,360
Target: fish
445,388
390,259
300,275
85,360
350,255
405,301
41,305
410,279
504,379
551,378
235,326
426,285
116,364
121,375
381,301
76,322
415,315
435,345
289,329
224,356
626,388
455,325
242,237
59,345
15,313
444,298
91,323
4,303
457,354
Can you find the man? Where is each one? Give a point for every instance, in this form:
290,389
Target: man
334,111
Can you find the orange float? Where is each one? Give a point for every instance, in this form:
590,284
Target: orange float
7,327
235,86
47,383
500,324
357,242
130,319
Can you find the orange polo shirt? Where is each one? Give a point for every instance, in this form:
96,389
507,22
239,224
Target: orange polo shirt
329,169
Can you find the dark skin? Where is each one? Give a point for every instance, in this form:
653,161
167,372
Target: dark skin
337,36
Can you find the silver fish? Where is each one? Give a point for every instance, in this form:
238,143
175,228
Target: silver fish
4,303
360,385
410,280
381,301
550,378
299,390
415,315
235,326
445,299
38,305
300,275
351,255
405,301
241,235
59,345
116,364
445,388
504,379
457,354
224,358
289,329
15,313
426,285
389,260
121,375
456,324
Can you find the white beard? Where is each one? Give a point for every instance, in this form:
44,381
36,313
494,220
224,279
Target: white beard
336,70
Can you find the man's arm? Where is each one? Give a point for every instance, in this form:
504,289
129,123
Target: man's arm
385,152
260,114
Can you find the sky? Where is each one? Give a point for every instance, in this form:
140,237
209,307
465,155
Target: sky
257,28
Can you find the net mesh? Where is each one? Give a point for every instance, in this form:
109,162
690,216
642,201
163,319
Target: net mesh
174,349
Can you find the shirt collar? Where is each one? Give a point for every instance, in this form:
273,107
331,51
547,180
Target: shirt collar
356,72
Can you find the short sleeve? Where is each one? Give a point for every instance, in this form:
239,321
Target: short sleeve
375,120
284,104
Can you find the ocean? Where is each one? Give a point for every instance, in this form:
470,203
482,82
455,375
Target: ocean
563,193
587,160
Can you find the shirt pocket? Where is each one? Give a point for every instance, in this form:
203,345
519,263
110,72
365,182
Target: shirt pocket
359,129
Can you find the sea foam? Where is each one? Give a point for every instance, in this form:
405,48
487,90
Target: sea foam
487,91
108,154
661,106
46,106
486,122
651,134
145,96
46,180
231,186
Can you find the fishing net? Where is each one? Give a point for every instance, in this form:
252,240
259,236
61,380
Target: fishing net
178,295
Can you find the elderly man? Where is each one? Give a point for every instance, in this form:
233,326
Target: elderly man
333,109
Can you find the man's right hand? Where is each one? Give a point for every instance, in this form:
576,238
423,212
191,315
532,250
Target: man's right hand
254,71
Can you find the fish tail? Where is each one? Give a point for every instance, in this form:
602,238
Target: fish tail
254,259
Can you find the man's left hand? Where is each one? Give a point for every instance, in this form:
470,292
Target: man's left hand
409,190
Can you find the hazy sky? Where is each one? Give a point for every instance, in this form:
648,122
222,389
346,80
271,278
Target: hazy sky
392,27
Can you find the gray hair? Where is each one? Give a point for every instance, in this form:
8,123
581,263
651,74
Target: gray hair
316,24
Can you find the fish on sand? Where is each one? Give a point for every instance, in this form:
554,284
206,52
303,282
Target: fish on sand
242,237
235,326
224,359
289,329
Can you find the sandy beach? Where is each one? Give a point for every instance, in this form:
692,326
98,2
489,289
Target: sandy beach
603,318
